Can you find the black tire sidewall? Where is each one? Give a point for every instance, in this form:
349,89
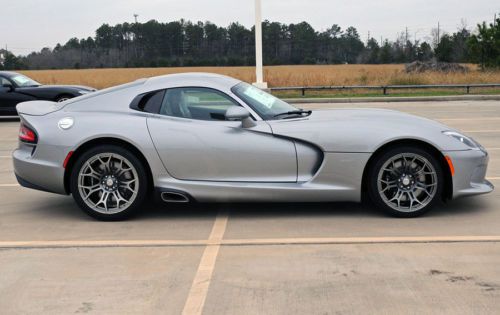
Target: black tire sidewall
379,162
141,173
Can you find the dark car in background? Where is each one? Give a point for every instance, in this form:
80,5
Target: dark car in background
16,88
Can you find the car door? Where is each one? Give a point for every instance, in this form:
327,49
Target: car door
9,98
195,142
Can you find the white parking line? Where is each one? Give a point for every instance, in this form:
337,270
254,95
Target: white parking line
207,262
362,240
484,131
468,119
199,289
9,185
106,243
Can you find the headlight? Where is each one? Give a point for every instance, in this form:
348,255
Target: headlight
471,143
84,92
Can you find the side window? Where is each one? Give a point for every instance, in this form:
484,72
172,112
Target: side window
149,102
196,103
4,81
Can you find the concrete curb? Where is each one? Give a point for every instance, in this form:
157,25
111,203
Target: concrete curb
395,99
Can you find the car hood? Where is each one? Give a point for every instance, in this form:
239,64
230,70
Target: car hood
363,130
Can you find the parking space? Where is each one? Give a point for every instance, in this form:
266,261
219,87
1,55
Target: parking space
256,258
97,280
360,279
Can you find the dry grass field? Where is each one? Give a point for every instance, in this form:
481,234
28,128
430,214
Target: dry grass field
274,75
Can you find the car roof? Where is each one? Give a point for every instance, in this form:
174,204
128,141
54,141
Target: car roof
192,79
8,74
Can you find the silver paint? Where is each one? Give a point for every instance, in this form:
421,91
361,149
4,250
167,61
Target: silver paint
317,158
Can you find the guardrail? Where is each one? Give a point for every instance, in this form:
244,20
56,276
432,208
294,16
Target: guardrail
386,88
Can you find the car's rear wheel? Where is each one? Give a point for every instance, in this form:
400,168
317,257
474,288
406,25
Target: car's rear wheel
109,183
406,181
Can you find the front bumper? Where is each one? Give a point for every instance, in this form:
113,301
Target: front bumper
470,172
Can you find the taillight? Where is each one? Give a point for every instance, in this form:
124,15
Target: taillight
26,134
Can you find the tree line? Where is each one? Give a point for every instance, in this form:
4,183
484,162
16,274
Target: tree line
184,43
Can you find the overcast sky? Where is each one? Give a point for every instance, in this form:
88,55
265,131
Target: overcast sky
29,25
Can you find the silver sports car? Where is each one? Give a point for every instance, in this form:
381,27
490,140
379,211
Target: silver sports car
211,138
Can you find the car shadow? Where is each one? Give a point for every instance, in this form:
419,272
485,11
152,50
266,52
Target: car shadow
65,208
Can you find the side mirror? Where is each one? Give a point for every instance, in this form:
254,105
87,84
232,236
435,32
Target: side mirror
8,87
241,114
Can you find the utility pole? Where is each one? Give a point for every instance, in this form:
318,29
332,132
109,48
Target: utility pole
406,37
135,17
438,38
259,72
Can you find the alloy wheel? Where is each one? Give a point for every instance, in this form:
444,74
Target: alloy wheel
108,183
407,182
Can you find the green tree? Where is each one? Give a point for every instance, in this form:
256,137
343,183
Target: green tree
11,62
444,49
386,55
484,47
424,52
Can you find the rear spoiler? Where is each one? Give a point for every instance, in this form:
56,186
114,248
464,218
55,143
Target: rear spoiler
38,108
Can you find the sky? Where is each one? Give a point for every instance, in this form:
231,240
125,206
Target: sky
30,25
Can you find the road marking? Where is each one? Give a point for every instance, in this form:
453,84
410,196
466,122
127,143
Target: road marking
199,289
491,130
492,178
5,157
469,119
9,185
106,243
361,240
208,260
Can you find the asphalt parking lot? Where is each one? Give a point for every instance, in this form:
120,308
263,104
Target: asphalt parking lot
256,258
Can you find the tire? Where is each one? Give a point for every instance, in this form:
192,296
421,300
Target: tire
109,183
62,98
405,181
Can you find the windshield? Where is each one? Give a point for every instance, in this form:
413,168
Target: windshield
266,105
24,81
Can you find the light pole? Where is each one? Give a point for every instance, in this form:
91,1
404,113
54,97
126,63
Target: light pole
258,47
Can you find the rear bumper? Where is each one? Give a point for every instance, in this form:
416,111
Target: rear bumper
38,174
470,173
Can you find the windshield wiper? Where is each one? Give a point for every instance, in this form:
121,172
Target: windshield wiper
295,112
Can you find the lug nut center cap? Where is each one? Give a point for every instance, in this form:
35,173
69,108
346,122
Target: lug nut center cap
110,182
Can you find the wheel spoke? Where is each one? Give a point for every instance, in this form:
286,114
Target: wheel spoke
389,187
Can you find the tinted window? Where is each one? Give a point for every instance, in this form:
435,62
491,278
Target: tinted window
149,102
152,102
265,104
4,81
24,81
196,103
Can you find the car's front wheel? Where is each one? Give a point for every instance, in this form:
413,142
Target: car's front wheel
405,181
109,183
63,98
